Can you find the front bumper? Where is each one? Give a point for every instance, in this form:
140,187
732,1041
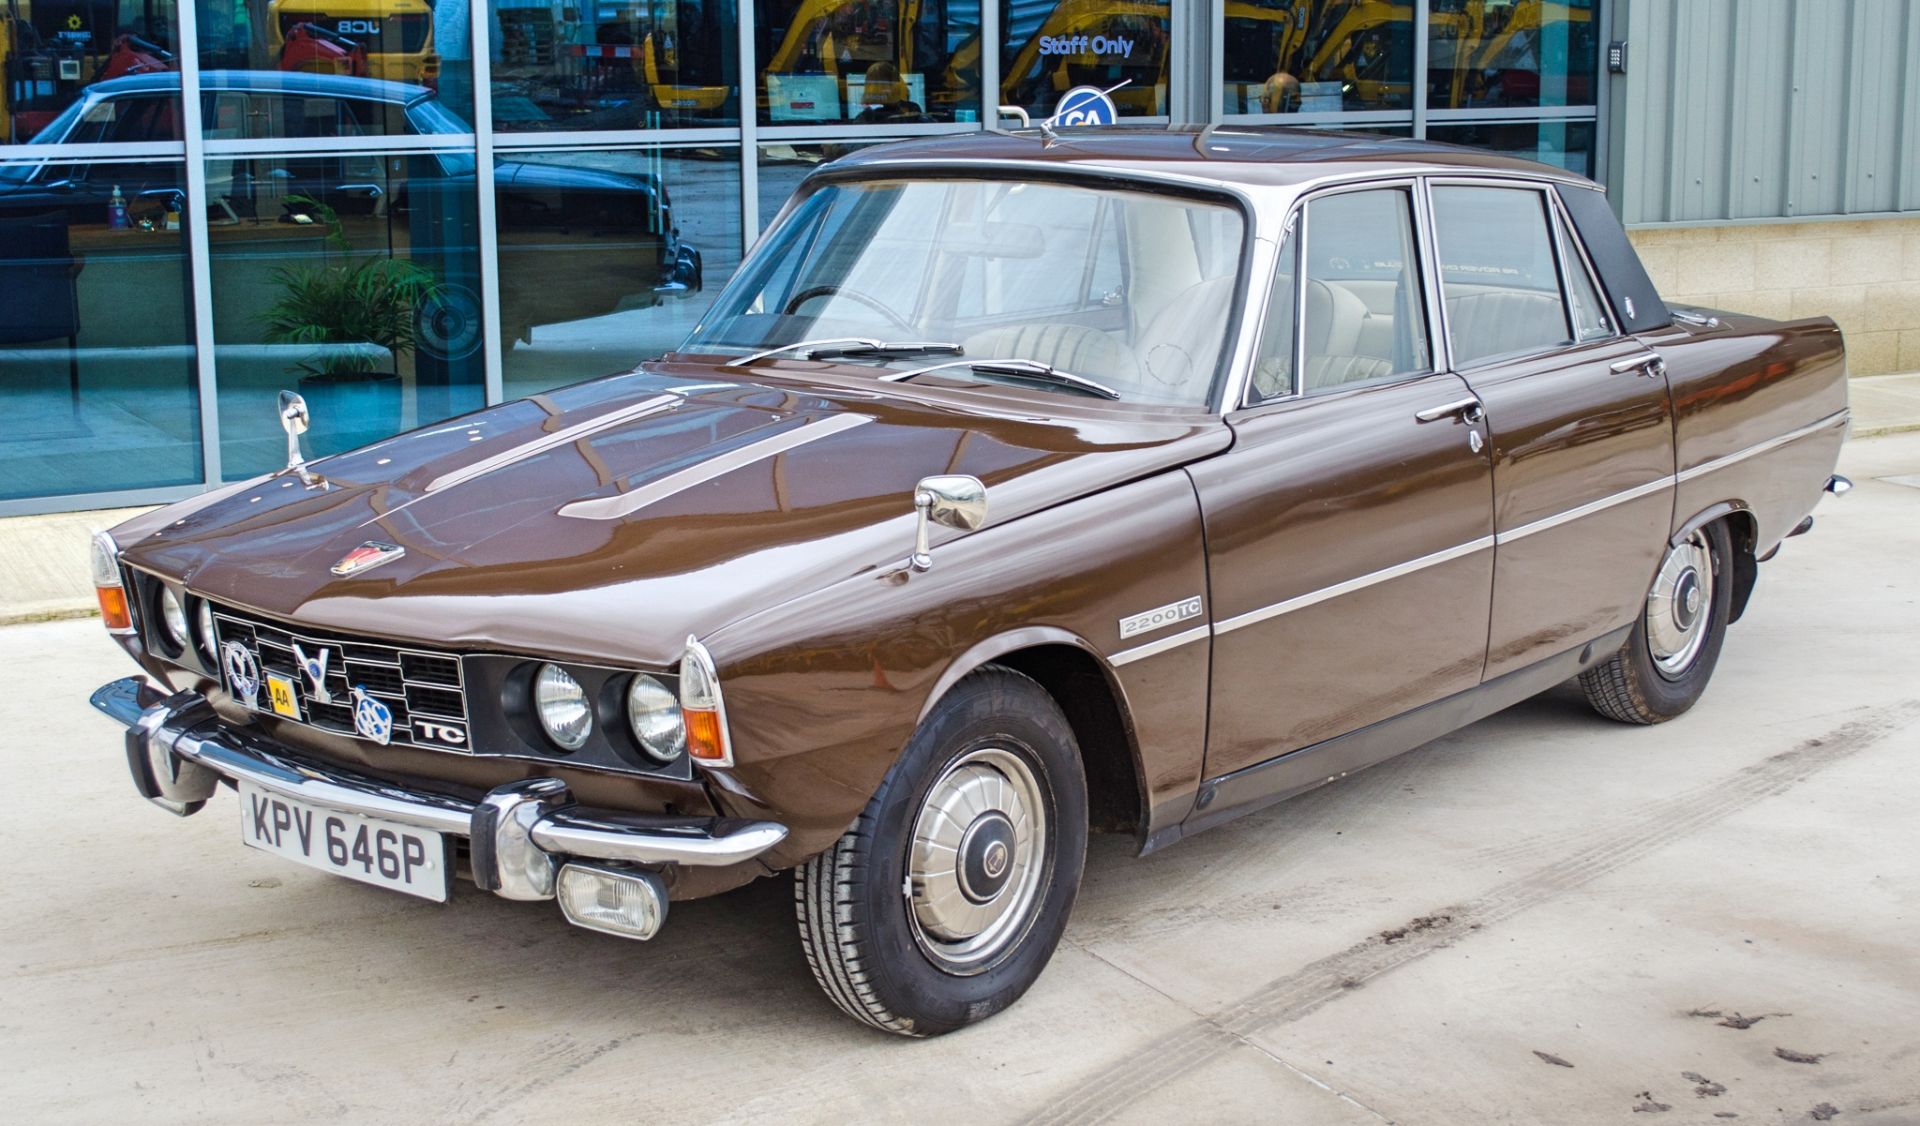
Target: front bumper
519,834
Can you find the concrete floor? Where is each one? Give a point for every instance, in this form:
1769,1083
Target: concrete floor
1402,947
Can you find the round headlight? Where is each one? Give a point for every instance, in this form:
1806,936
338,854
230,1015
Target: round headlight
174,617
562,707
654,714
203,620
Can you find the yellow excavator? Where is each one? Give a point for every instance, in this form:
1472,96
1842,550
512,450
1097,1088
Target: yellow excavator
1506,69
397,35
866,46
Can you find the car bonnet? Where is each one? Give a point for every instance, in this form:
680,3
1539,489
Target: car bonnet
612,518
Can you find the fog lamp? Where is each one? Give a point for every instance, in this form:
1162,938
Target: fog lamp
626,902
562,707
105,565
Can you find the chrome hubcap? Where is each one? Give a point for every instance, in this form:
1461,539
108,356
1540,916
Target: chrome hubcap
977,860
1679,606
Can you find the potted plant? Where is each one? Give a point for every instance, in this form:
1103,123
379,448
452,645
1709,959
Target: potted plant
361,315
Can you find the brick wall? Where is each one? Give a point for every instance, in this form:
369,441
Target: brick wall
1865,274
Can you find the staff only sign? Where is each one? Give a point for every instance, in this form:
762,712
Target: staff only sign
1115,46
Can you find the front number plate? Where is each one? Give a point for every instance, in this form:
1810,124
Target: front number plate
384,853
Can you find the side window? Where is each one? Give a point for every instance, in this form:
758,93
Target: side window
1364,316
1273,365
146,119
1590,319
1497,272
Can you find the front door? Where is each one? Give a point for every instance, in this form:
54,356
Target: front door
1579,416
1349,528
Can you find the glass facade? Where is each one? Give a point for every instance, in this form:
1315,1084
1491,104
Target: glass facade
407,209
1517,76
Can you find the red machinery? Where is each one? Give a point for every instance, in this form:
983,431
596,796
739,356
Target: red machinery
315,50
134,55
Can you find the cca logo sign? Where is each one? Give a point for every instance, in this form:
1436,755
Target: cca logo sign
1085,105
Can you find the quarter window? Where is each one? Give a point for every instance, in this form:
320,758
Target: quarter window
1497,272
1363,310
1273,366
1590,320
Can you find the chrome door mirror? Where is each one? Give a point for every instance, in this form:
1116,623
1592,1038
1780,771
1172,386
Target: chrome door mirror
294,420
952,501
293,413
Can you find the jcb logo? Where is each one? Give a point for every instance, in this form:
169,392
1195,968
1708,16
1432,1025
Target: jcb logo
358,27
439,734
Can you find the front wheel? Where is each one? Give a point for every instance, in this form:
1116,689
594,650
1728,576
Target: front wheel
1664,667
945,900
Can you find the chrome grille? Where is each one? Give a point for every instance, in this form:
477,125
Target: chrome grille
414,684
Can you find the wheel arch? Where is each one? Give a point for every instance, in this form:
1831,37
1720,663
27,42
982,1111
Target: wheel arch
1084,685
1743,530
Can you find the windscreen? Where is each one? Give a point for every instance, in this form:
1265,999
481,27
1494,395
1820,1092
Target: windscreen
1131,290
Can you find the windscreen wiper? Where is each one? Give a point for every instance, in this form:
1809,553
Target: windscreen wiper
1030,370
877,349
835,347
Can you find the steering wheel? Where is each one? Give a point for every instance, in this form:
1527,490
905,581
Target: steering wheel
811,292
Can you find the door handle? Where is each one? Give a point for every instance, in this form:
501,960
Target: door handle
1468,410
1647,363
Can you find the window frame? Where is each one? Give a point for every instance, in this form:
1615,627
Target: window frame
1569,236
1426,277
1557,228
1229,383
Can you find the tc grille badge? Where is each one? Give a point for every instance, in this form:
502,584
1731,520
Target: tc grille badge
367,556
315,668
371,718
243,672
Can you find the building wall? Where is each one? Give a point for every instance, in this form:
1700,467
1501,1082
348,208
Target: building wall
1864,273
1750,109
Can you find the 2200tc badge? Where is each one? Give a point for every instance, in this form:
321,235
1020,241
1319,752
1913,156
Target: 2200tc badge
1018,486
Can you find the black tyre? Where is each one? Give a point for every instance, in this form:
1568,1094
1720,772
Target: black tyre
944,901
1665,665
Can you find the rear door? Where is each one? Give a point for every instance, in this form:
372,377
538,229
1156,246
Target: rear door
1349,528
1579,415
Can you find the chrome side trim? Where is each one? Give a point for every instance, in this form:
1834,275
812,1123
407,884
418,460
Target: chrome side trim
1835,419
546,442
1587,509
1155,648
1655,486
626,504
1254,617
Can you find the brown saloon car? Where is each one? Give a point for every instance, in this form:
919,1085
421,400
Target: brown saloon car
1018,485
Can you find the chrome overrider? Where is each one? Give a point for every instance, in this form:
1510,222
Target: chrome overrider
520,834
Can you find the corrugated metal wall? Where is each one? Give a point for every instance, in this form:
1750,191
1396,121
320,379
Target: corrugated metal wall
1744,109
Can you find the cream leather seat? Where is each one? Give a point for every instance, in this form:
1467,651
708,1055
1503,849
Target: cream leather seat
1340,329
1193,324
1495,322
1069,347
1337,323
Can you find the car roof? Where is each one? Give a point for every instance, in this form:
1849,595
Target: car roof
1238,154
288,81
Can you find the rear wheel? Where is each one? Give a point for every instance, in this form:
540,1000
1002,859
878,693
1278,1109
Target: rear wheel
945,900
1665,665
